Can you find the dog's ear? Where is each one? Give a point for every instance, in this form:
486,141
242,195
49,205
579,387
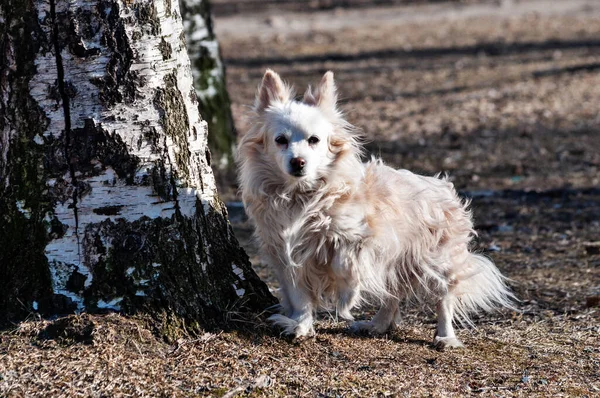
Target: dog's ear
326,93
272,89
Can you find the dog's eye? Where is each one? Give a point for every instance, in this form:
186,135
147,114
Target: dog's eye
281,140
313,140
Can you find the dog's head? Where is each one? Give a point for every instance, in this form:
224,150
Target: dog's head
299,140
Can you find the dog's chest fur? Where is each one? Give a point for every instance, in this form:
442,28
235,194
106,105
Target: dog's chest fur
307,229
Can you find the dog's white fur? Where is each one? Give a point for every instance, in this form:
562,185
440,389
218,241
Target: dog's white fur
347,231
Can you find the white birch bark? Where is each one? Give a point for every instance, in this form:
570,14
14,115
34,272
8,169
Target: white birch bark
130,211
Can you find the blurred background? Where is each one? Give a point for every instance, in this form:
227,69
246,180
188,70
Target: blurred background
502,95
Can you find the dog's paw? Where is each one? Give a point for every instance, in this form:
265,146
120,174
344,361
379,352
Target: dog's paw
442,343
345,315
293,328
370,327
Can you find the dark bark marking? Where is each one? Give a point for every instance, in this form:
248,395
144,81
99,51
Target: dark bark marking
80,50
55,162
24,274
61,191
92,144
168,8
225,250
108,210
208,157
54,94
158,176
69,89
56,229
82,25
147,16
172,179
180,286
76,282
193,96
161,183
165,49
119,83
174,120
150,135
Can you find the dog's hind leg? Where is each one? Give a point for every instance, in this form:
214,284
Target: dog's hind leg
444,334
384,320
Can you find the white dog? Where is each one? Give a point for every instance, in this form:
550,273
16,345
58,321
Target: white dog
338,231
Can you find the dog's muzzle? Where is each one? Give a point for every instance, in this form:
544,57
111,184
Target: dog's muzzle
297,167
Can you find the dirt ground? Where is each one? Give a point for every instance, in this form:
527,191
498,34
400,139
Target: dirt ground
502,95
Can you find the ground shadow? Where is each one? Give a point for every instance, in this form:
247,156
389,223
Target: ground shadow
490,49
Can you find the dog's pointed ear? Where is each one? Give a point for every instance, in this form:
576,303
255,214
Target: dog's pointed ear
272,89
326,96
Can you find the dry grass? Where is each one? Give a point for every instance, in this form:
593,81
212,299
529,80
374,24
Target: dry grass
520,124
543,355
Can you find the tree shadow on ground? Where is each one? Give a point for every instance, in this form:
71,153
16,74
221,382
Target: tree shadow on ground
490,49
522,157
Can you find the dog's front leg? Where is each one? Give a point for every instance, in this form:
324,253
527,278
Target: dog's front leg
347,286
297,304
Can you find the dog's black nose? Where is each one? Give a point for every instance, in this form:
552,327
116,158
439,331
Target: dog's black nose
296,165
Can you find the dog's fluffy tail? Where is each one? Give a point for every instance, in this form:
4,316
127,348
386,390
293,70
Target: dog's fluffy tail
480,288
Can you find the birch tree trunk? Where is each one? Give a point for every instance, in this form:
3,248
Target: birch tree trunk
209,80
107,198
